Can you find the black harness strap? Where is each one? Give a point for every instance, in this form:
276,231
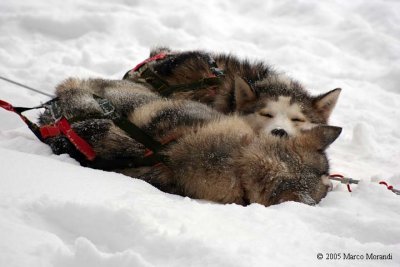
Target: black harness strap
147,75
109,112
165,89
203,83
149,159
138,134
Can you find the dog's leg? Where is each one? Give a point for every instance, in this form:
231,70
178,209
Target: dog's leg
76,96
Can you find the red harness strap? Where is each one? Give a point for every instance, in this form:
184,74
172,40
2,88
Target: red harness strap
18,110
49,131
61,126
153,58
7,106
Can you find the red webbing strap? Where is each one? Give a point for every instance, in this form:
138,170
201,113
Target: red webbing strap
49,131
33,127
75,139
7,106
61,126
153,58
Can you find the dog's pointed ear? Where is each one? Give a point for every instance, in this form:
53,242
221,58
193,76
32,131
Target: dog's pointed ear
243,93
325,103
320,137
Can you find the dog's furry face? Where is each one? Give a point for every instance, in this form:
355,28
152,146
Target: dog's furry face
292,169
278,116
226,162
281,107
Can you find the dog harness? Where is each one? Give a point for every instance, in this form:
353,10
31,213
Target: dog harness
144,73
86,154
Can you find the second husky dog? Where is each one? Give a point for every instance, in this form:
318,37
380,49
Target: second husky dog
213,156
225,162
270,101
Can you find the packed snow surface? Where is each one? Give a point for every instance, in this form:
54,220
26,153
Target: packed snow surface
55,213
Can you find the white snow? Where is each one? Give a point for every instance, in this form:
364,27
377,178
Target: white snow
55,213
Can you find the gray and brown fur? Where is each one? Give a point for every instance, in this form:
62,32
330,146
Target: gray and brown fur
162,119
214,156
226,162
246,88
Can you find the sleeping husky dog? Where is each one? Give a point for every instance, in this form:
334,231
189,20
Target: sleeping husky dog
212,156
225,162
269,101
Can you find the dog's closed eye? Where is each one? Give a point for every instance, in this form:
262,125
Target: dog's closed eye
268,115
298,120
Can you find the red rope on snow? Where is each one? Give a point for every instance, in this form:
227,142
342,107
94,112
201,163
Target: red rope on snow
348,181
341,177
348,188
389,187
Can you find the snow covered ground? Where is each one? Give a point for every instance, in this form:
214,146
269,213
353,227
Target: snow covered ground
55,213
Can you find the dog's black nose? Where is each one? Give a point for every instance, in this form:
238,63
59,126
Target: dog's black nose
279,132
